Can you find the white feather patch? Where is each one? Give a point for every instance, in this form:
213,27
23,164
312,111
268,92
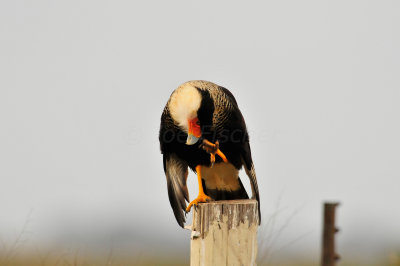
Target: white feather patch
184,103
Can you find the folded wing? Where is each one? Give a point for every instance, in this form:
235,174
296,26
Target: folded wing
176,172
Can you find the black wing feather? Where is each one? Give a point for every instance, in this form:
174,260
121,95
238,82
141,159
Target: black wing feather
176,171
245,150
251,173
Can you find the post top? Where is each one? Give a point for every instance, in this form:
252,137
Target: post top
231,202
225,213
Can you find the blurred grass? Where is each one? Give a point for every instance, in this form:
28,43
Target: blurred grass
61,260
32,260
16,254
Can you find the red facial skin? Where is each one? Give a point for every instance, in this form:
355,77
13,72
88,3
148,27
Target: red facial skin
194,127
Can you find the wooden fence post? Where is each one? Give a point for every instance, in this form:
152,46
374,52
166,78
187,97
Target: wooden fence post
224,233
329,256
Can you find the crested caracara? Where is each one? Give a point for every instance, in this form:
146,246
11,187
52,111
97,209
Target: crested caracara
203,129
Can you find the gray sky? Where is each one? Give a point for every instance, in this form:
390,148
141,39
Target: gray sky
83,84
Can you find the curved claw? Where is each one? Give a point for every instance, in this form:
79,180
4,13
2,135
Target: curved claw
213,149
200,198
212,159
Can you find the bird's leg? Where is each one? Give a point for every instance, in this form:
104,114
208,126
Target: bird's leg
202,197
213,149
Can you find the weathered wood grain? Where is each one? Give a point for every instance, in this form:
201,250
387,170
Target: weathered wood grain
224,233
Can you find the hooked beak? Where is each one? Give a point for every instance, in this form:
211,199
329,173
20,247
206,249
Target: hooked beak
191,139
194,131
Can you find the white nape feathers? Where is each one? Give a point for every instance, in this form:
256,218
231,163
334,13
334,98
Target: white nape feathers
184,103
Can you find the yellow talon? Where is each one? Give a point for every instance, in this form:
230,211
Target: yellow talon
202,197
223,157
213,149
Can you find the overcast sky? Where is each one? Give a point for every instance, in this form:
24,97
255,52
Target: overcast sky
83,85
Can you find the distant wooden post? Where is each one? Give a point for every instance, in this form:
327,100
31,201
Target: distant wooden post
224,233
329,256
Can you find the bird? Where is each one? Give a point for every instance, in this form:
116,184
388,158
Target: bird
203,129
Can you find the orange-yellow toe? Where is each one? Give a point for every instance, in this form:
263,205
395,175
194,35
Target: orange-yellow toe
200,198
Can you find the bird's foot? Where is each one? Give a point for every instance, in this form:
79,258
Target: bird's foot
209,146
200,198
213,149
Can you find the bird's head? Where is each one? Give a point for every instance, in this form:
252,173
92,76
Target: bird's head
184,107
